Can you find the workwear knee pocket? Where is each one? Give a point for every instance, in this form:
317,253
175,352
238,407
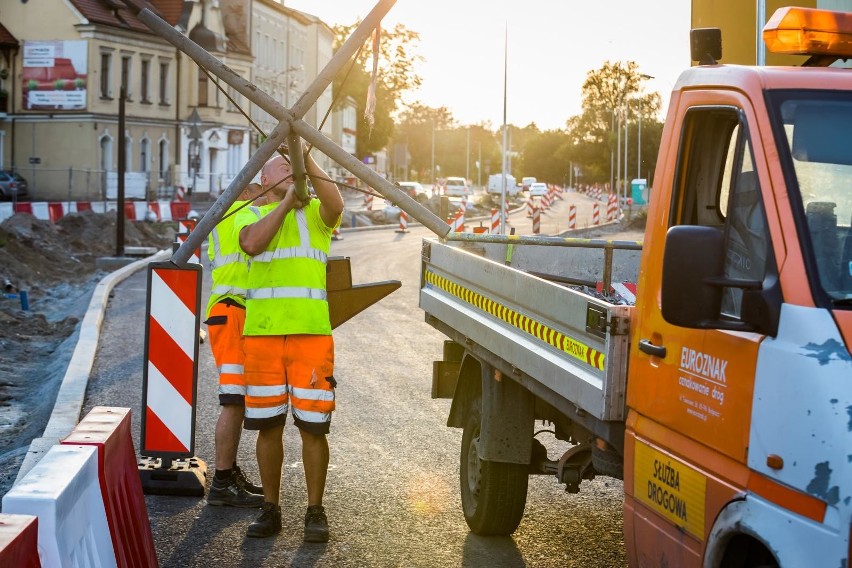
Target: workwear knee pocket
216,320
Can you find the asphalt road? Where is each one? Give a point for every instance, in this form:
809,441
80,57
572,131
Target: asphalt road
392,495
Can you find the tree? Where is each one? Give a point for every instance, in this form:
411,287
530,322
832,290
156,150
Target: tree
611,95
396,75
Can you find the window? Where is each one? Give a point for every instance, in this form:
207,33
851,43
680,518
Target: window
106,75
164,159
203,88
813,129
164,82
145,81
234,96
145,155
128,154
718,187
125,75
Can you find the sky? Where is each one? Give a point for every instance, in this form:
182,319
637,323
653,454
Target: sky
552,45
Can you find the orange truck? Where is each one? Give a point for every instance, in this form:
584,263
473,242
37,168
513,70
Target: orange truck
722,395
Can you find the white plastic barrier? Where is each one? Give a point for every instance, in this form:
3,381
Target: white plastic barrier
141,209
63,491
6,211
40,211
165,210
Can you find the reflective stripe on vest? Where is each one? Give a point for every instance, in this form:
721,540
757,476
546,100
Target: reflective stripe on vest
279,292
222,290
291,252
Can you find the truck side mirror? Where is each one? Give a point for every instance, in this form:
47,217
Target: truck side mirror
692,256
693,281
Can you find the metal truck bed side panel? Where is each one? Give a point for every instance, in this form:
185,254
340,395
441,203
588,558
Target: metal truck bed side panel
534,325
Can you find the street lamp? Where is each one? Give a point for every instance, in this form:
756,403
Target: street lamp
639,134
195,136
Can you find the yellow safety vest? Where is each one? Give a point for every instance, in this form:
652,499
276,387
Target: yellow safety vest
228,264
286,283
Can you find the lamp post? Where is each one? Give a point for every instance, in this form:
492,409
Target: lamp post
195,136
639,134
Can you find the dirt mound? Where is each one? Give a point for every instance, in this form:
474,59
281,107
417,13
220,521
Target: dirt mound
38,254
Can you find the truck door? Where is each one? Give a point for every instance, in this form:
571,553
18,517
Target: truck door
690,390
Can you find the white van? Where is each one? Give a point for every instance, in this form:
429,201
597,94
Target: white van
457,187
527,182
495,184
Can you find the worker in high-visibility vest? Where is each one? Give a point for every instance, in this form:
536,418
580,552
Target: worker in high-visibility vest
226,315
288,343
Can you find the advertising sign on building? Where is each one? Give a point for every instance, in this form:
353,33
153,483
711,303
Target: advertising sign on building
54,75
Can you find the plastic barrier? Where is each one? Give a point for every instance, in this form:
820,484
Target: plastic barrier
596,214
108,429
495,221
180,209
63,491
165,210
55,211
19,541
6,211
572,217
129,211
140,209
84,206
24,207
368,202
536,220
403,222
154,207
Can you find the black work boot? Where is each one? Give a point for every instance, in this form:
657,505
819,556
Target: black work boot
316,524
245,484
268,523
229,493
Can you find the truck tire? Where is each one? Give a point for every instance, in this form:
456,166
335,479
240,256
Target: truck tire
493,494
607,463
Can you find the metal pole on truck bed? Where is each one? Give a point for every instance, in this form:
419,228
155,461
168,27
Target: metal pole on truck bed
290,119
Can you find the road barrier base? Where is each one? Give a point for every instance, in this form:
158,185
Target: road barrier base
179,477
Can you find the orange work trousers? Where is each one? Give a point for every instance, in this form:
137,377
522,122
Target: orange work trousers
289,371
225,328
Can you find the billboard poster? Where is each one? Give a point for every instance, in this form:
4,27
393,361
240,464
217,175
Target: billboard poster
54,75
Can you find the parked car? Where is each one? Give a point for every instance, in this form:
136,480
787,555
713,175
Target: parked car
12,186
458,187
538,189
414,190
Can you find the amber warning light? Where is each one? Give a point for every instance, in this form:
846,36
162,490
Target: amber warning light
825,35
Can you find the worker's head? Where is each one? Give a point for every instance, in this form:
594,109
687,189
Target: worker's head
250,191
276,173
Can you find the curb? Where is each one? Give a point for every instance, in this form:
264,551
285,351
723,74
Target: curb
72,390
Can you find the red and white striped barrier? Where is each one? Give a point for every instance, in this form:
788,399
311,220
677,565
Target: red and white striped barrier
19,541
64,492
180,192
612,208
109,431
506,212
403,222
457,224
530,205
171,355
572,217
495,221
596,214
368,202
536,224
53,211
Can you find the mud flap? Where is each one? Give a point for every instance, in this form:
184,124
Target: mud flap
508,419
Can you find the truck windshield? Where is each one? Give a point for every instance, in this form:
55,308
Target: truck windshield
817,127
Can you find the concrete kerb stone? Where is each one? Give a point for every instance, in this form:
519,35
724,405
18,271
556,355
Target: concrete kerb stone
72,390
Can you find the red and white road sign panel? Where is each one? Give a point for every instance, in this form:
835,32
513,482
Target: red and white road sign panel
170,373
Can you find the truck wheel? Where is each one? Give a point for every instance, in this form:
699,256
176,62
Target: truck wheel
607,463
493,494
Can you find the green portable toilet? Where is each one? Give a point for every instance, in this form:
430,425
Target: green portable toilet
639,191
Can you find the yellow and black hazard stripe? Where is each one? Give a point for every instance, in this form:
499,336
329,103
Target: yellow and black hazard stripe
553,337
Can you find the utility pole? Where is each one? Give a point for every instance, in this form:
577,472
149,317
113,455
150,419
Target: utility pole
122,165
611,150
432,169
626,131
618,153
467,157
479,167
505,131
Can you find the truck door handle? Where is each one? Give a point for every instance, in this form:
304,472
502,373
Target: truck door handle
645,346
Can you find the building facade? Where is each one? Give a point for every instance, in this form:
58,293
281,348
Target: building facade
64,63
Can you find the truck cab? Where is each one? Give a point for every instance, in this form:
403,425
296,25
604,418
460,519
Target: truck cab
737,440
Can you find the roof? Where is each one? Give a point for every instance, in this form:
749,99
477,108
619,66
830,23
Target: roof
6,37
116,13
752,80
